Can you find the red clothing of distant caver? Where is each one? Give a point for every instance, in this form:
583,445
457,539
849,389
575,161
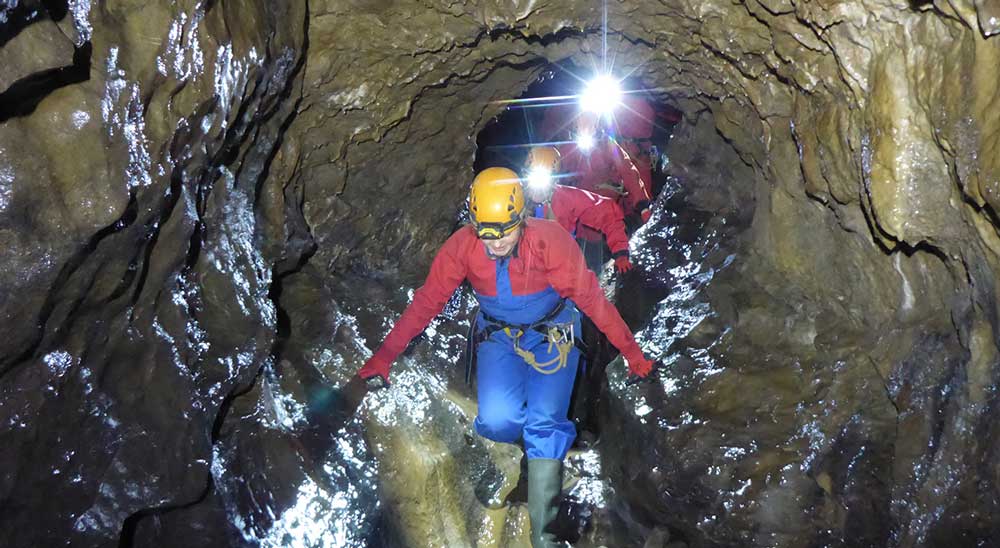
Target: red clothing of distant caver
572,207
606,169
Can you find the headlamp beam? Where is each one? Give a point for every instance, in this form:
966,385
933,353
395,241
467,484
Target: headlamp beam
601,95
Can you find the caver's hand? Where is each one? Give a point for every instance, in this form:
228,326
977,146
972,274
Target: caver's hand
644,370
622,264
375,373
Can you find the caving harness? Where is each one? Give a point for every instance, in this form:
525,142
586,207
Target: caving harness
562,336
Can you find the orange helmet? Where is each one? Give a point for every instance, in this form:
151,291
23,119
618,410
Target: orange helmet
496,203
541,169
546,158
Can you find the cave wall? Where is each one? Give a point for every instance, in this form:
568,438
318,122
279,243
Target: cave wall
135,281
874,149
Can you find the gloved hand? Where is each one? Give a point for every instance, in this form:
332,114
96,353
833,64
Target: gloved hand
622,264
375,367
641,370
645,214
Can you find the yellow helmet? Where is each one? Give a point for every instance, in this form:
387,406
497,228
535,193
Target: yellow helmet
546,158
496,203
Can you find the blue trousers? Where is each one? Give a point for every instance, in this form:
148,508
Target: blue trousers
516,400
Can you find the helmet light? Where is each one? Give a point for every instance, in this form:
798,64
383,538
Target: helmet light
539,179
601,95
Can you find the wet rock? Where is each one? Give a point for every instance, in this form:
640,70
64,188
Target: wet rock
117,294
658,538
38,48
989,17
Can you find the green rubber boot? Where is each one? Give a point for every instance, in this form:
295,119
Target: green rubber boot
544,485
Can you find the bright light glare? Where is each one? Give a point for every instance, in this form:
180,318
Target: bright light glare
585,141
601,95
539,179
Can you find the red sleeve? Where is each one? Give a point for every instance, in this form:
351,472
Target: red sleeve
637,189
568,274
564,207
447,272
603,214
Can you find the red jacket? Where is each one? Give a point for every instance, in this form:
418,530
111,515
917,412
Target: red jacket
635,117
639,152
606,164
570,205
545,260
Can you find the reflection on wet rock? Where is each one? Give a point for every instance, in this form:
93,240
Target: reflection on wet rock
135,298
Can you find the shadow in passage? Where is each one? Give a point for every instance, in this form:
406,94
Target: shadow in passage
328,410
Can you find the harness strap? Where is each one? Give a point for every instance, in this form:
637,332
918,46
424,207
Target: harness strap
494,325
556,310
560,336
